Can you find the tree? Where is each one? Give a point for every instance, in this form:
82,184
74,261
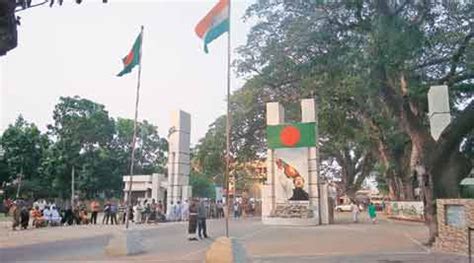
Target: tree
81,128
202,185
151,149
24,146
388,54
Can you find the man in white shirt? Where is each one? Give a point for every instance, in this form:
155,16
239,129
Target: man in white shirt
47,214
55,217
185,211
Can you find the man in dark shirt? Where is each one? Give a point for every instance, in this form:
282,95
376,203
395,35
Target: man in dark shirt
201,216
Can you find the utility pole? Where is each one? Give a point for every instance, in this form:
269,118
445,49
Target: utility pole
72,186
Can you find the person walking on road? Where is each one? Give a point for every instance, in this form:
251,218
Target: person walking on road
355,212
372,213
201,217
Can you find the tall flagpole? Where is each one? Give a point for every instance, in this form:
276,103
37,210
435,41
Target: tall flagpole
134,140
228,128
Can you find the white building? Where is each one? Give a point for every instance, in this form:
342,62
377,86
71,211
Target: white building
146,187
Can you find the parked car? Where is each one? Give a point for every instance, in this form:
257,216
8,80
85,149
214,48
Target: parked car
346,208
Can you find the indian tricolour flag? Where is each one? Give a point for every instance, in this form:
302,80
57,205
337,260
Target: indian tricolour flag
214,24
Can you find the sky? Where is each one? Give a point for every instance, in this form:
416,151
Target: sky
77,50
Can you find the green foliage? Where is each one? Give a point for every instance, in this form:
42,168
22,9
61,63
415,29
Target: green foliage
84,136
355,56
202,185
24,147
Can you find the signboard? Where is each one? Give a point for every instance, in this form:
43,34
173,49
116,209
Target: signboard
291,175
405,210
455,215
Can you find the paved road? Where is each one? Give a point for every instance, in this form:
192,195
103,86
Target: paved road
388,241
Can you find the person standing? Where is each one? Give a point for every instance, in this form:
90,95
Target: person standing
192,222
137,211
160,211
47,215
177,212
106,217
372,213
113,213
220,209
201,217
185,210
15,213
95,207
355,212
170,211
236,209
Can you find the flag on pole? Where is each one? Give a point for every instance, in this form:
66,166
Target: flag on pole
291,135
214,24
133,57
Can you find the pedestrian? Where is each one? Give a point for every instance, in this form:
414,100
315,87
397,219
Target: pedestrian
68,216
201,217
15,213
47,214
192,222
177,211
160,211
24,217
372,213
137,211
106,217
113,213
236,209
170,211
55,217
185,210
355,212
220,209
95,207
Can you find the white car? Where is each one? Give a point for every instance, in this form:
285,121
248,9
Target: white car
346,208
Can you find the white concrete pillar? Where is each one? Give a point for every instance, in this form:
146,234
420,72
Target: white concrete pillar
439,110
179,159
275,115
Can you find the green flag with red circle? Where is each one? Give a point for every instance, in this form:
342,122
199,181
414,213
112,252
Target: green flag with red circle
301,134
132,58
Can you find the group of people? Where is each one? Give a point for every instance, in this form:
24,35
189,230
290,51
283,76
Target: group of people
198,214
145,212
44,215
371,209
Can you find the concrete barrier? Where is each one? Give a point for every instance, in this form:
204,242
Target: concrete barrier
125,243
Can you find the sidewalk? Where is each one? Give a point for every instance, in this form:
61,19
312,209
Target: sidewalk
10,238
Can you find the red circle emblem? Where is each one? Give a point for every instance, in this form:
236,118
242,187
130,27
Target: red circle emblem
129,58
290,136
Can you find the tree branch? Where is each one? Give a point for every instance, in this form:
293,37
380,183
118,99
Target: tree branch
454,133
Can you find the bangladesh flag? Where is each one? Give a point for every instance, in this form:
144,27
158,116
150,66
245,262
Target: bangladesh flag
291,135
133,57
